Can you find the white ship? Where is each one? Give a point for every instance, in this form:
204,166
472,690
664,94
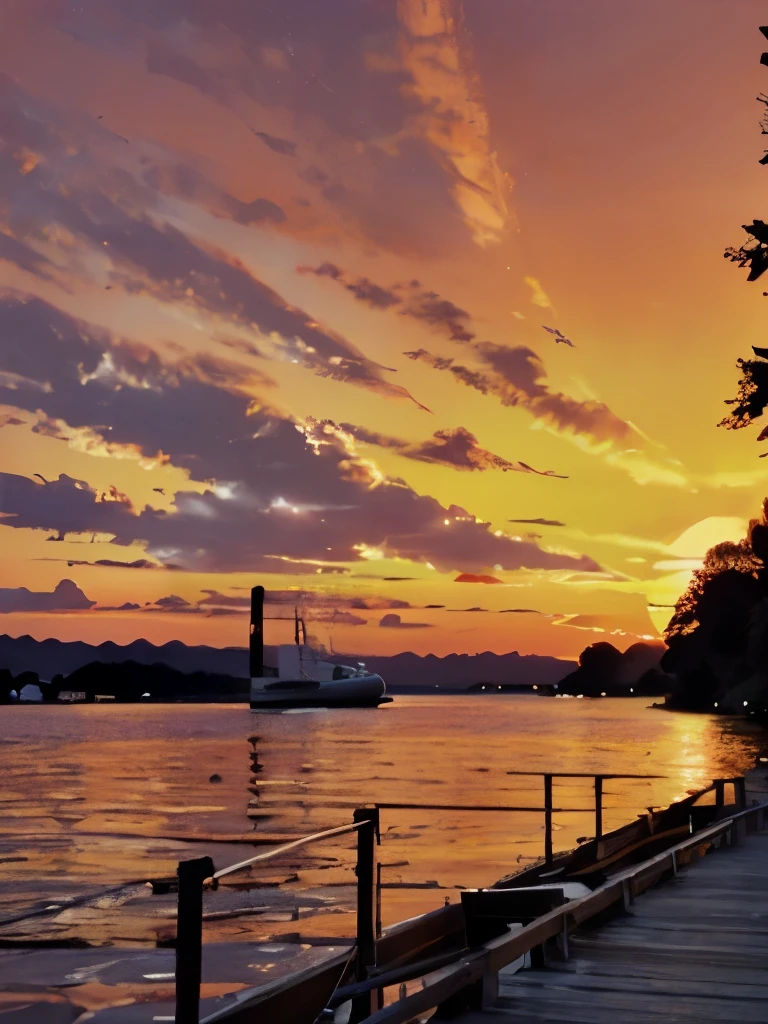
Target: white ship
300,679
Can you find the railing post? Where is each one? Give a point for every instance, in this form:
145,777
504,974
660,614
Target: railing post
378,900
719,785
548,819
189,937
740,792
490,989
598,808
363,1006
627,895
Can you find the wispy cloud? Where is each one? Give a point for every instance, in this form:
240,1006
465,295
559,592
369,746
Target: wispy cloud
472,577
538,522
515,376
113,563
409,299
538,296
436,53
456,449
114,228
278,498
283,146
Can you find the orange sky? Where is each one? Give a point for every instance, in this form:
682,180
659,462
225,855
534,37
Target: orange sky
274,287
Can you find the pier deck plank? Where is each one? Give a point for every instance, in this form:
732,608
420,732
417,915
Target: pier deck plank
692,950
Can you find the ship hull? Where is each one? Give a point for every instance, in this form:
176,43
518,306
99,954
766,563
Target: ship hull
357,692
265,705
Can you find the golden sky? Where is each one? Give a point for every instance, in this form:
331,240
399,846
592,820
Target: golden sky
274,287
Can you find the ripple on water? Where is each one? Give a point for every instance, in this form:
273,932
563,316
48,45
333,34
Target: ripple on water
141,773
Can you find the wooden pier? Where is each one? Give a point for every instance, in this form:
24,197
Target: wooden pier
693,949
579,938
664,919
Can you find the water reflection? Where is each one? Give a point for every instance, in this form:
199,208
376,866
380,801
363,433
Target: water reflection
102,794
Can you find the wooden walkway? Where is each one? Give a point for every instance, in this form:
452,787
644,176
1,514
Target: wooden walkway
695,949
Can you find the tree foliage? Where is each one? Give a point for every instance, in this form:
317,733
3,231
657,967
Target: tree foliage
718,637
752,396
754,252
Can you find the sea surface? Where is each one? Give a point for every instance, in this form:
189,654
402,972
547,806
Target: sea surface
102,795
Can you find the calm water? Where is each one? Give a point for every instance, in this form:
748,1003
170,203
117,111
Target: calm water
106,794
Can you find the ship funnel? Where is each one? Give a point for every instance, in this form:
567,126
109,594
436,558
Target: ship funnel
256,642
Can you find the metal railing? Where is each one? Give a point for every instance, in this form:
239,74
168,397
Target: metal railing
366,992
547,810
473,978
195,875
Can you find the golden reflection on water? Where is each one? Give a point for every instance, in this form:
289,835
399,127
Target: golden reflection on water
105,793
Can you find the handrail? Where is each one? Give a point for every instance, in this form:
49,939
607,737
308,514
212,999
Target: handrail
194,875
585,775
547,810
480,807
383,979
316,836
367,997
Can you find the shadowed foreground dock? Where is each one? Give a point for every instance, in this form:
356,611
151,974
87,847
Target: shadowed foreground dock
694,949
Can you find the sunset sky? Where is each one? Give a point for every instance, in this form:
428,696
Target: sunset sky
275,278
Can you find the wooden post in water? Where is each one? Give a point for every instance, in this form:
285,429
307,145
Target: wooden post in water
548,819
363,1006
189,937
598,808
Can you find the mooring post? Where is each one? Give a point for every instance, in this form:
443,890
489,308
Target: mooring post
363,1006
598,808
548,819
189,937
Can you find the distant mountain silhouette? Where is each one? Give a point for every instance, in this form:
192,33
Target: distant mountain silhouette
49,657
402,671
460,671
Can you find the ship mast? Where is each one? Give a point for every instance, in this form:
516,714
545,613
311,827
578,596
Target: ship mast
256,640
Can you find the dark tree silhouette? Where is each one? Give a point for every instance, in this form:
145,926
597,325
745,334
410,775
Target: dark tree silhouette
604,670
754,252
601,661
718,637
128,681
752,397
726,560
